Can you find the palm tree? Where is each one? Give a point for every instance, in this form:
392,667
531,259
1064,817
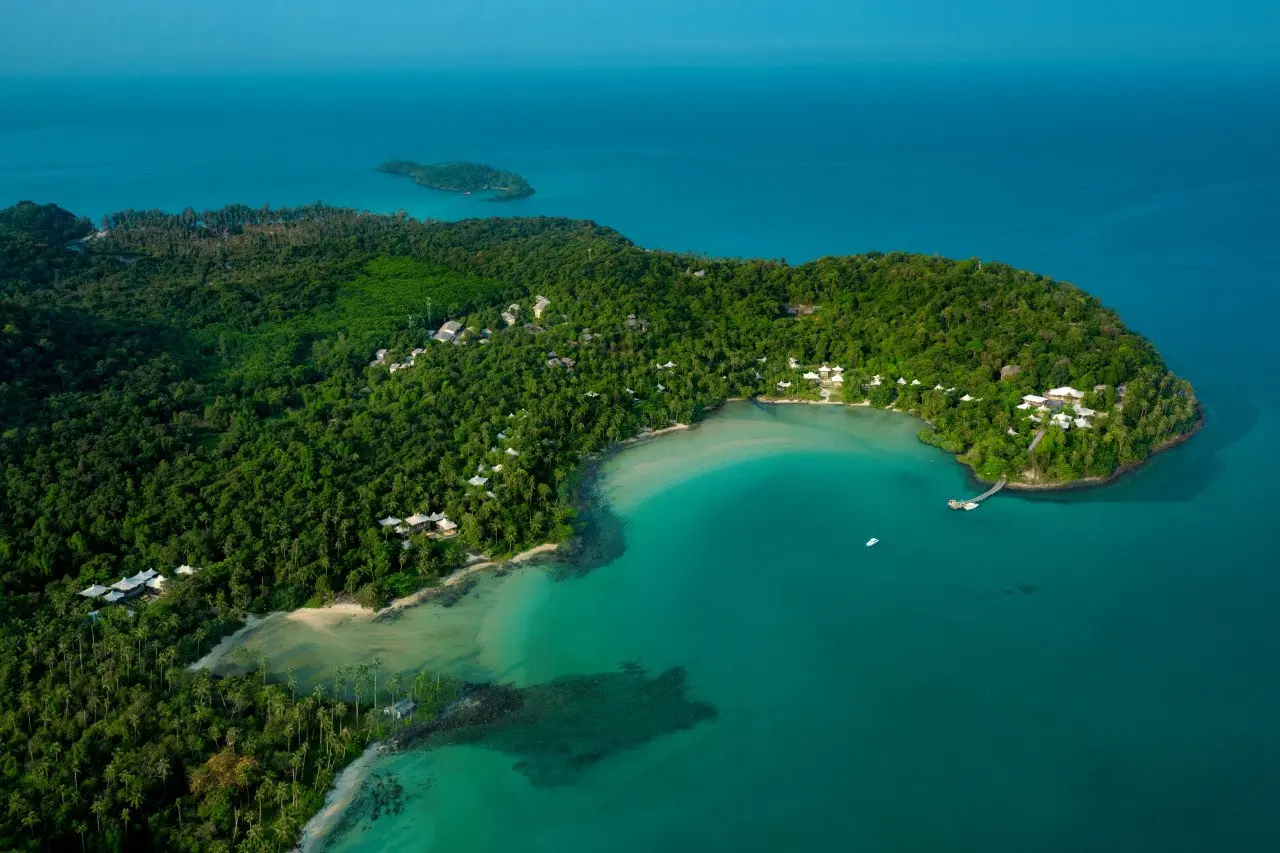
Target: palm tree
374,664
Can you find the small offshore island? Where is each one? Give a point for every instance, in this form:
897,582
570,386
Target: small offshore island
462,177
215,413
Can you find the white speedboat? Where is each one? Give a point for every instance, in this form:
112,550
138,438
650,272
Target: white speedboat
971,505
872,541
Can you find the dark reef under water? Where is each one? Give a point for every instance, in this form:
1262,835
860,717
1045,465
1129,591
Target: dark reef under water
558,729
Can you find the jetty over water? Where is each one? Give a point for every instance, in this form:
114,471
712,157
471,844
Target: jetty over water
972,503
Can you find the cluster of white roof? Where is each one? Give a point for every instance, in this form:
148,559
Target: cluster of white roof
131,586
1058,397
418,523
822,374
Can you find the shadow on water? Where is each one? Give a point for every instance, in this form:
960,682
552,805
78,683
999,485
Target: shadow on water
599,532
555,731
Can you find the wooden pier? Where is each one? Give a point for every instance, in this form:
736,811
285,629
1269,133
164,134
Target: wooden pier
980,498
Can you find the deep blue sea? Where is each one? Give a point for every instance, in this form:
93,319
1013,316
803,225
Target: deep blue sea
1125,700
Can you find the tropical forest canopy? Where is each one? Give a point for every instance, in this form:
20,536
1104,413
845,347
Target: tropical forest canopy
198,388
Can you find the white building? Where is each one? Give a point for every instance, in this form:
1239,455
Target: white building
448,332
1065,394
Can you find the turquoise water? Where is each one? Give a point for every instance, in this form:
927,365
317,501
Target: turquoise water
1084,671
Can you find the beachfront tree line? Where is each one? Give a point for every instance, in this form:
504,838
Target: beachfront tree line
196,389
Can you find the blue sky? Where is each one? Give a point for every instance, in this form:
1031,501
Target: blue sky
101,36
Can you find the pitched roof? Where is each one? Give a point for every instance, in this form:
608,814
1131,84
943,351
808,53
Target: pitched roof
446,524
1065,391
416,519
477,480
93,591
389,521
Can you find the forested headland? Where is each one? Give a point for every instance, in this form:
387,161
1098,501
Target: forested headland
197,389
463,177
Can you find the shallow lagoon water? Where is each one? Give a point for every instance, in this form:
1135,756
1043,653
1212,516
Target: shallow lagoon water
966,684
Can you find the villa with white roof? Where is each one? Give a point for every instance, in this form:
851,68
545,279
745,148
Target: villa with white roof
1065,394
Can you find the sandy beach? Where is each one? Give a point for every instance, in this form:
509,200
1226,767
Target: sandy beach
336,801
788,402
331,615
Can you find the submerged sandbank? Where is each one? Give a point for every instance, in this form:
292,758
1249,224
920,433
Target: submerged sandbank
333,614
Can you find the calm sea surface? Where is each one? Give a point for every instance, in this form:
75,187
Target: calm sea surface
1093,671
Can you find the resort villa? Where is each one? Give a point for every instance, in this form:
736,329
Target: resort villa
448,332
401,709
127,589
433,525
1057,400
1065,395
